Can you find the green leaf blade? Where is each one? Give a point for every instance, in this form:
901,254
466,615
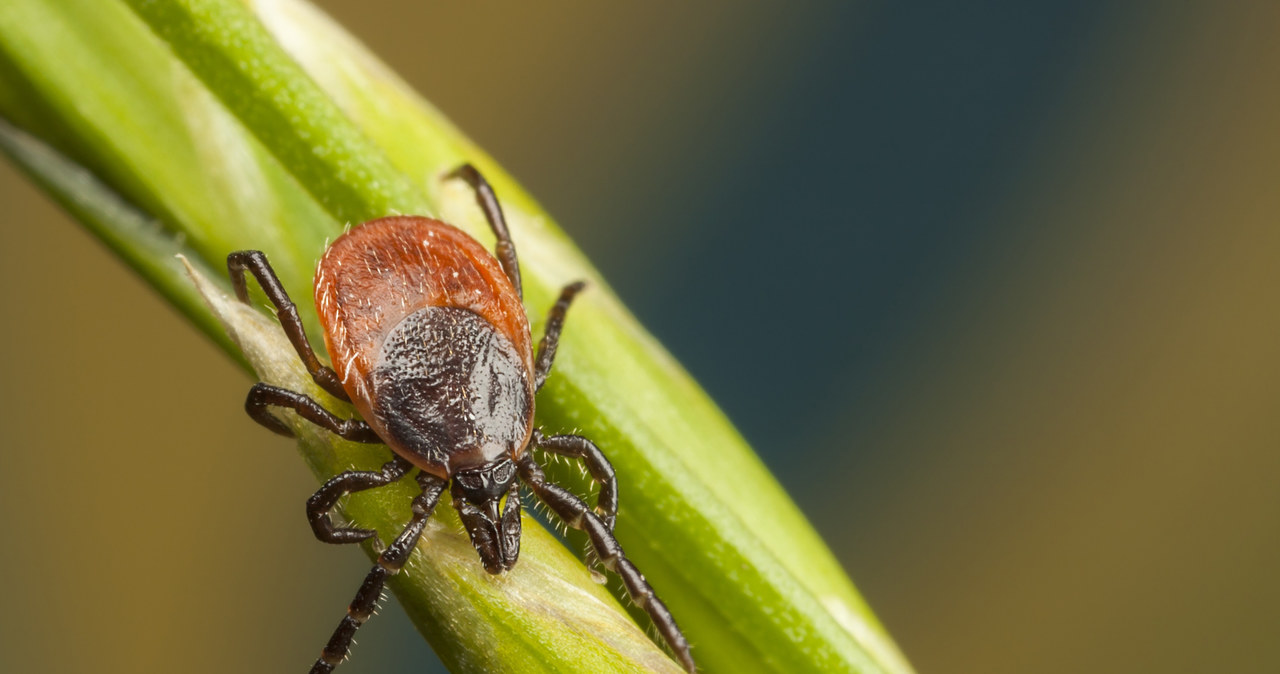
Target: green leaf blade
227,48
253,154
619,387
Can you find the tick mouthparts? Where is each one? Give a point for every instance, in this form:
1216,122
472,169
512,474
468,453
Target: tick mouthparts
493,511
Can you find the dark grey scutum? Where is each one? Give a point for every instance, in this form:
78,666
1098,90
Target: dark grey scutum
452,389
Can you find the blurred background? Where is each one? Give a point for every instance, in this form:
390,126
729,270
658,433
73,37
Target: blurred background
994,291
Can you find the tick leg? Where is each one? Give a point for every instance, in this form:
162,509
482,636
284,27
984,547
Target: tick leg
551,333
578,447
574,512
264,396
255,262
325,498
389,564
505,250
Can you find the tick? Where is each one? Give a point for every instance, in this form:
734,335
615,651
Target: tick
430,343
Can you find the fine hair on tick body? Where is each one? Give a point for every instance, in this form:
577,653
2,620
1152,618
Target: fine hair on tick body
429,341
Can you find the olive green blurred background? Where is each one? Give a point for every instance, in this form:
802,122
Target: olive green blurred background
994,290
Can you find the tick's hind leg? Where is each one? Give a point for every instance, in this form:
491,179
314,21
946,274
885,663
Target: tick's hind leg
389,564
551,333
504,250
264,396
574,512
255,262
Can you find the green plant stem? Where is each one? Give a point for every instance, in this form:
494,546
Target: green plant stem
261,125
227,48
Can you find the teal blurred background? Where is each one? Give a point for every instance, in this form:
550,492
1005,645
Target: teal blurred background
993,289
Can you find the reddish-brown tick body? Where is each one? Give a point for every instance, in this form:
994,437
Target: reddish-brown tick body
430,341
